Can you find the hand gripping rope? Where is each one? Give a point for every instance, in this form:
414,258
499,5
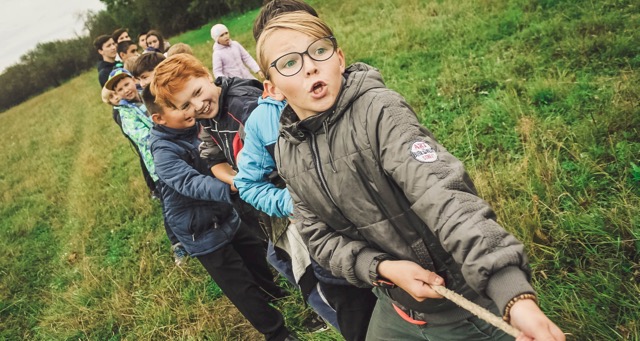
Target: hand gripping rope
477,310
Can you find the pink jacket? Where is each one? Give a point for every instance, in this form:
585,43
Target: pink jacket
230,61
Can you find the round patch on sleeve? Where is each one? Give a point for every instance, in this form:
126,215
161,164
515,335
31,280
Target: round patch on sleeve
423,152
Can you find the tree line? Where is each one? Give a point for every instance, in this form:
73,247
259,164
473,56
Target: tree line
50,64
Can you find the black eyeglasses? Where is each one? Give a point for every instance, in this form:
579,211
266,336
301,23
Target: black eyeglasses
291,63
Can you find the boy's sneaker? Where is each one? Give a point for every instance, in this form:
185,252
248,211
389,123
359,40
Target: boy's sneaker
179,254
154,195
315,324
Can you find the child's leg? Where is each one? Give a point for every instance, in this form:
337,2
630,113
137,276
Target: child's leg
354,307
322,307
254,255
229,271
315,300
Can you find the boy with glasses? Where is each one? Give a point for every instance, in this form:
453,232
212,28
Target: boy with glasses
381,203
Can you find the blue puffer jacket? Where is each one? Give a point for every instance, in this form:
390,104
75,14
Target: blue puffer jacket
257,162
197,206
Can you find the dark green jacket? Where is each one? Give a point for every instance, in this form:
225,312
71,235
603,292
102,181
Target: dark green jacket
367,179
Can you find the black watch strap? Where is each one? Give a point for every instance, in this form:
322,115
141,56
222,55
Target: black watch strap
376,279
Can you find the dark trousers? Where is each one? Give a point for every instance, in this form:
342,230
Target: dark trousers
354,307
240,270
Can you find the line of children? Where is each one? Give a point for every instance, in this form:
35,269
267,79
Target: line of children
382,203
221,108
201,212
229,58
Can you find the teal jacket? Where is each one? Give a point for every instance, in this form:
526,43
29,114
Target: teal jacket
137,125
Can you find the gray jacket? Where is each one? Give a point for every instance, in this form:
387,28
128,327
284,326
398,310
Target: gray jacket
367,180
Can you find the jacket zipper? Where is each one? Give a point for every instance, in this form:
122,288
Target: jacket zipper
228,152
315,153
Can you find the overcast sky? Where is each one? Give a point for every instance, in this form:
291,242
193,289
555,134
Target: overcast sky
24,23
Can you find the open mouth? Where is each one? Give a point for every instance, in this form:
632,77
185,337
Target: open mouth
317,87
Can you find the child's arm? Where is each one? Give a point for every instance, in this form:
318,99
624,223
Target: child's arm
225,173
138,131
218,67
441,193
534,324
256,164
186,180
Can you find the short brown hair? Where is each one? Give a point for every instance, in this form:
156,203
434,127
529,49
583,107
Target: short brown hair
100,40
172,74
274,8
150,101
146,62
298,21
179,48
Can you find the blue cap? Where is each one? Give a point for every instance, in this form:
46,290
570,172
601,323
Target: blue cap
116,75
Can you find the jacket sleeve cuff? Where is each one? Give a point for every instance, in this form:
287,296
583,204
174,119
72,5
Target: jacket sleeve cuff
363,263
507,284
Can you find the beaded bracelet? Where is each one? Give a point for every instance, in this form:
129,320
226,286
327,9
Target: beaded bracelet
507,310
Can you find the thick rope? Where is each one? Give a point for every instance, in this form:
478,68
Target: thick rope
477,310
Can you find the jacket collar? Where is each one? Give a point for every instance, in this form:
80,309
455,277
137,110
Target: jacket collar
172,133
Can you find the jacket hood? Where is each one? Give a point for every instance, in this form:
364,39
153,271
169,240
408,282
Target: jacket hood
358,79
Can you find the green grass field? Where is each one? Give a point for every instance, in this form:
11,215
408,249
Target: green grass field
539,98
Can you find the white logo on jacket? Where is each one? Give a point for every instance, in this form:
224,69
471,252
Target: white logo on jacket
423,152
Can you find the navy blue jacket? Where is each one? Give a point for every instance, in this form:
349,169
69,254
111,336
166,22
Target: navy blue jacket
197,206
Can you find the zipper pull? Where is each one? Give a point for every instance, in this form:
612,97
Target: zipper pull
193,236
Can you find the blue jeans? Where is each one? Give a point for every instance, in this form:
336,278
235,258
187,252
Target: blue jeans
316,300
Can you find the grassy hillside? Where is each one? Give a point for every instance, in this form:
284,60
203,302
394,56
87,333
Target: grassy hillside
539,98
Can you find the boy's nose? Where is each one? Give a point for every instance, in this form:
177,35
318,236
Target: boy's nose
309,65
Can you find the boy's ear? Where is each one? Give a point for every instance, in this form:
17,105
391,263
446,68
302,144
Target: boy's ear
272,90
157,118
341,58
